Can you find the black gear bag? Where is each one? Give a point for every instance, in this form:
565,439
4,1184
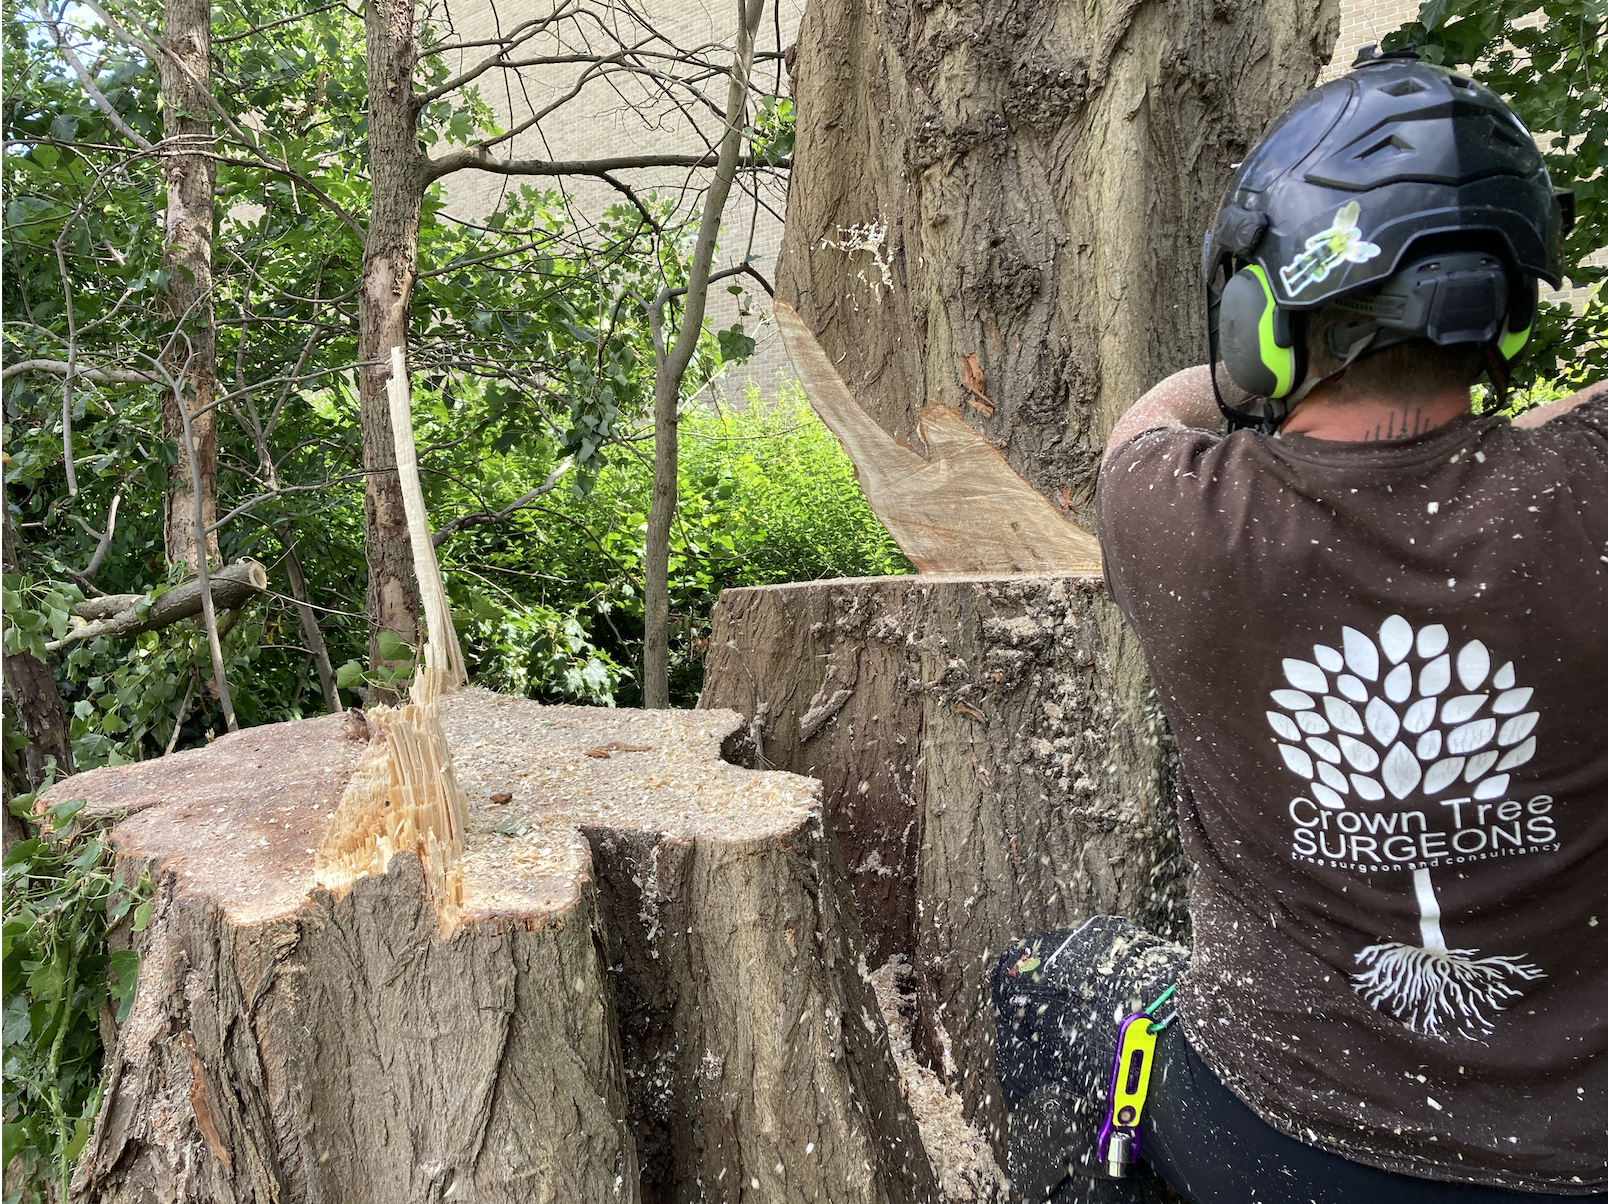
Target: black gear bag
1059,997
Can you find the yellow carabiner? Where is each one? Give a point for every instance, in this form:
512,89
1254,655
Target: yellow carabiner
1137,1050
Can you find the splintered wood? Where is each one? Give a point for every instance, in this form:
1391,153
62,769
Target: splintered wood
402,797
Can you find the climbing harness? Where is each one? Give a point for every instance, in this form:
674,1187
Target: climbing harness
1117,1146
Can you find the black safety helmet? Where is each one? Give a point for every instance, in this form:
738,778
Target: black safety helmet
1399,169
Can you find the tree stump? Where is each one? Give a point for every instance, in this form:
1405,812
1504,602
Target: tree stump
649,984
993,760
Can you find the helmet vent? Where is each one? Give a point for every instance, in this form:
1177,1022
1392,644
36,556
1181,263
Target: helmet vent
1405,87
1395,143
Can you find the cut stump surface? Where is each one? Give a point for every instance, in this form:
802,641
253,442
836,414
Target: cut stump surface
654,988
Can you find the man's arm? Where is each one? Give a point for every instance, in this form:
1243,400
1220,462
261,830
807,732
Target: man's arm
1183,400
1541,414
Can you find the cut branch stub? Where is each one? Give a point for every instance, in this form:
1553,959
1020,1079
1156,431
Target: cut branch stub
118,614
680,989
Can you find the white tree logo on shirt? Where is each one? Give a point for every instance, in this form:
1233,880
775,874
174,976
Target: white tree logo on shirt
1379,717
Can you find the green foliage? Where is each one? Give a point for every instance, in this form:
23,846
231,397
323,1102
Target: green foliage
531,358
1550,62
60,900
766,495
735,344
774,131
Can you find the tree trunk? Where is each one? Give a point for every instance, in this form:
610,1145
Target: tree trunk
191,178
999,207
670,366
311,630
671,1007
993,763
35,700
390,255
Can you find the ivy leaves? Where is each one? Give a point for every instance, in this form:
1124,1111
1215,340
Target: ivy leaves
62,898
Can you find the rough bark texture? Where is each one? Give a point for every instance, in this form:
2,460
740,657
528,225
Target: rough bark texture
390,264
191,176
993,763
686,980
118,614
999,206
35,705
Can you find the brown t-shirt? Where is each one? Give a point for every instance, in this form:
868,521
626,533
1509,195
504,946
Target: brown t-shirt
1386,665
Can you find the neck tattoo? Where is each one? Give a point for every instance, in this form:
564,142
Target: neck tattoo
1400,424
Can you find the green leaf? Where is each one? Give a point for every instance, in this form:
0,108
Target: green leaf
124,966
393,647
142,916
348,675
735,345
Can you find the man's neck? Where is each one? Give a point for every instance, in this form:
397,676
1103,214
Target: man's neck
1321,415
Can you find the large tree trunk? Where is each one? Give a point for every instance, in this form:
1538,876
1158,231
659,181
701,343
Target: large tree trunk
671,1007
999,206
993,764
390,261
191,174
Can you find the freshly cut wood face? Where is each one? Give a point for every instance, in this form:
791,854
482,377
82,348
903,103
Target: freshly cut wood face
959,509
261,818
618,968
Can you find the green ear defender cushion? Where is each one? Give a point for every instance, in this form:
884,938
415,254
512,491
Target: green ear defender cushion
1521,315
1256,339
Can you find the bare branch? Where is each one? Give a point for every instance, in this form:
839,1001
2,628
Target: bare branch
101,376
485,517
231,588
105,538
481,160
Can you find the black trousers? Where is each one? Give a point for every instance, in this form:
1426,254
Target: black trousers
1058,999
1210,1147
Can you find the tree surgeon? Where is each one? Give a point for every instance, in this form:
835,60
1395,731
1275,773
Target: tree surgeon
1376,622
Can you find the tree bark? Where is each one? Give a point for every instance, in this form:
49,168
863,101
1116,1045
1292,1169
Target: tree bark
390,262
35,699
670,366
993,763
671,1007
191,175
999,207
117,614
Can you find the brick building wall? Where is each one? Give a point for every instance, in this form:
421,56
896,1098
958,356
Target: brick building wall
607,118
602,120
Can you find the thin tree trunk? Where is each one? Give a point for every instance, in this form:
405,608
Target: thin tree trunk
389,266
311,630
35,700
191,181
672,366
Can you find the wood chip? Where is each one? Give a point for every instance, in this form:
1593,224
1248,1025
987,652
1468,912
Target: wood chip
500,799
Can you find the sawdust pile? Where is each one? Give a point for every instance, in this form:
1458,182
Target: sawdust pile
961,1157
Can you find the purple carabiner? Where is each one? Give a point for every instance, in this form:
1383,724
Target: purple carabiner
1118,1143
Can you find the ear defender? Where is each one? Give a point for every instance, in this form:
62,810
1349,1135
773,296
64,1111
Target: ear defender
1520,320
1259,341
